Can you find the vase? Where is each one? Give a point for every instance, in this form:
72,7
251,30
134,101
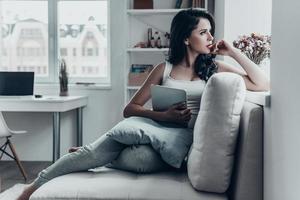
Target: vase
265,66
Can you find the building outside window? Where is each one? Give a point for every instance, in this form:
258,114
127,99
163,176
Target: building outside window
89,51
63,52
29,31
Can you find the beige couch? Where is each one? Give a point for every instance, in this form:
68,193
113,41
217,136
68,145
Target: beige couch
246,183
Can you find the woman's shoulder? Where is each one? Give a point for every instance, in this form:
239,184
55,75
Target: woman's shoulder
159,68
161,65
157,72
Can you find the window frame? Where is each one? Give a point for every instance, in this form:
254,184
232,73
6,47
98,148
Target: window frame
53,48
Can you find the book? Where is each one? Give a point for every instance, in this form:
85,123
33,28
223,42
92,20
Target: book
186,4
178,4
140,68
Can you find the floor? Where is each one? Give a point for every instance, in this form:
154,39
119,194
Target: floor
10,173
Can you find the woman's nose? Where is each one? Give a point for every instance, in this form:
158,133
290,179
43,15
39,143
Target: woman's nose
210,37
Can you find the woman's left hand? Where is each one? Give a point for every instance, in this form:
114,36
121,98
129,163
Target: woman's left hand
222,48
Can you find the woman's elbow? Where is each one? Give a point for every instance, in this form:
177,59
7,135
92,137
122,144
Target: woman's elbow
260,87
129,110
132,109
265,86
126,112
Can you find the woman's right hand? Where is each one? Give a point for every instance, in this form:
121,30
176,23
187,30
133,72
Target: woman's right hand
178,113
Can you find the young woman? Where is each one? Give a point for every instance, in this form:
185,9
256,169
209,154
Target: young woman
189,65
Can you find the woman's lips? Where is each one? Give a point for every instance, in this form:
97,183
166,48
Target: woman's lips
211,47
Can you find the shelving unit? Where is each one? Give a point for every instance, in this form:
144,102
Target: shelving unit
138,21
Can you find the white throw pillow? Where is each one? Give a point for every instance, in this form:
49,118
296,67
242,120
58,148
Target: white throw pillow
211,157
171,143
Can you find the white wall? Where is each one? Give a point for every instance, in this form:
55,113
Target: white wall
219,19
104,108
282,144
281,137
238,17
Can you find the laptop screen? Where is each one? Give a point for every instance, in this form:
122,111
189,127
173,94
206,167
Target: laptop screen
16,83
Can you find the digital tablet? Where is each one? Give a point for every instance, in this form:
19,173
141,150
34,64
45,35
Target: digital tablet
164,97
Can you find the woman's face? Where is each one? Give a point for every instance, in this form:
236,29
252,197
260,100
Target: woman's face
200,38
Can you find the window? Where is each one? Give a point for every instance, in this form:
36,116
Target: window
31,29
90,52
86,30
25,24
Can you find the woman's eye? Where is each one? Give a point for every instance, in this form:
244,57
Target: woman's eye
202,33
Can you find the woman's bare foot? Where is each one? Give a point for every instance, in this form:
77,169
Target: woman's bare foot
73,149
28,190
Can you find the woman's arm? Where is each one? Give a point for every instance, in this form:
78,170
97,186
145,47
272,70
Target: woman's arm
255,78
176,113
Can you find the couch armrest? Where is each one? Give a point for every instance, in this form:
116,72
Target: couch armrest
247,179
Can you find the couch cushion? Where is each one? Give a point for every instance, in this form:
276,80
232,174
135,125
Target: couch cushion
211,157
115,184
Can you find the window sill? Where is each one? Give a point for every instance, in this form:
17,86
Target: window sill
74,86
260,98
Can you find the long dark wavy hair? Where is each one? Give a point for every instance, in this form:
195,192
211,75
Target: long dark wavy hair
182,26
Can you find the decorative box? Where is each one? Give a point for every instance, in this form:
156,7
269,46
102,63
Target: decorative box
143,4
138,74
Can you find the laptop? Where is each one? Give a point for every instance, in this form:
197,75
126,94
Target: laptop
16,84
164,97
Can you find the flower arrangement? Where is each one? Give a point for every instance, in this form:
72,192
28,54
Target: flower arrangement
256,47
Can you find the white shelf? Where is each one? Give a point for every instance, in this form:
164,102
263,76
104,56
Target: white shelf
133,87
147,49
156,11
152,11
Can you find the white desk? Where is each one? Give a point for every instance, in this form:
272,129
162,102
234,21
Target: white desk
53,104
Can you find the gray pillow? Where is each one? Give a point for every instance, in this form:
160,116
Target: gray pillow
171,143
211,156
139,159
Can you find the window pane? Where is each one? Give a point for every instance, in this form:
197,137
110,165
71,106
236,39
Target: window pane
83,31
24,40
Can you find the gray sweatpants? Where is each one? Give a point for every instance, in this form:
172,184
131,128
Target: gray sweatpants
99,153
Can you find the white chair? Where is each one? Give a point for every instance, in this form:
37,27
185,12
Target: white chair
5,132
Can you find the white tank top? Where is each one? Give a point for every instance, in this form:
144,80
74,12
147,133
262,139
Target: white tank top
194,90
